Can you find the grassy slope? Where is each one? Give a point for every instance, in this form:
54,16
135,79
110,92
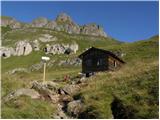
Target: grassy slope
136,84
138,80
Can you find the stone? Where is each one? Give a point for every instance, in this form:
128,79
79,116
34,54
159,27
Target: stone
18,70
47,38
11,22
74,61
74,47
71,89
66,98
93,29
23,91
36,67
36,45
23,48
39,22
55,98
6,52
48,88
74,108
63,17
51,25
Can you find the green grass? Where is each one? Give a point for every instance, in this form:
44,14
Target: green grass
135,84
26,108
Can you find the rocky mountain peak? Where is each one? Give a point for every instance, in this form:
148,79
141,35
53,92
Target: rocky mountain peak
63,17
39,22
63,22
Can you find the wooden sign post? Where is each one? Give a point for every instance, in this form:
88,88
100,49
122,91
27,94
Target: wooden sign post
45,59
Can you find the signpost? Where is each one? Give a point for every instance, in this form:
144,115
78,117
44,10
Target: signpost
44,59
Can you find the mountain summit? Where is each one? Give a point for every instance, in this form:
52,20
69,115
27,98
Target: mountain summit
63,22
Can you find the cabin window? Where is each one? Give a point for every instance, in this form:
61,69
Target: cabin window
115,64
101,62
89,62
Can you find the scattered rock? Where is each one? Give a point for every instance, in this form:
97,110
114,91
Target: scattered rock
60,113
75,62
36,67
66,98
74,108
48,89
47,38
18,70
60,48
23,91
71,89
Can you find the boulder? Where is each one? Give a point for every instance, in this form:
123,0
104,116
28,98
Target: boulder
74,108
23,48
23,91
65,98
71,89
47,88
6,52
36,45
74,47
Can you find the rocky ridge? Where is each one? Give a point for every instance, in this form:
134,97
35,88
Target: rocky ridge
63,22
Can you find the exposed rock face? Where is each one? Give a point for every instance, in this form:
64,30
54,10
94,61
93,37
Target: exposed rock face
40,22
23,48
8,21
75,62
71,89
36,45
23,91
63,17
93,29
74,108
60,48
47,38
63,22
51,25
6,52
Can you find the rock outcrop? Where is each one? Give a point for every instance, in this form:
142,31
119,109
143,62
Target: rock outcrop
23,91
6,52
61,48
8,21
23,48
40,22
93,29
47,38
63,22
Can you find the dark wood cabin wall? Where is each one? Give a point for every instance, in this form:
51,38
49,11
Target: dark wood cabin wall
111,65
94,56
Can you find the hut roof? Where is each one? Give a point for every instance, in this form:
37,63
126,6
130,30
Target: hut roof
104,51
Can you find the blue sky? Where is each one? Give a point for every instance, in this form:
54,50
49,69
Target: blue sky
125,21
